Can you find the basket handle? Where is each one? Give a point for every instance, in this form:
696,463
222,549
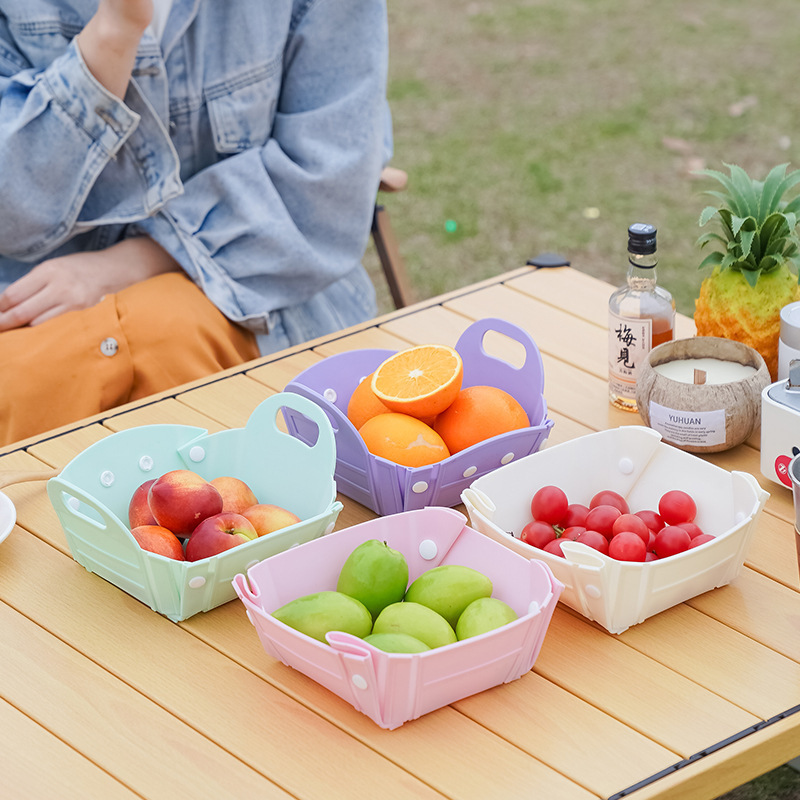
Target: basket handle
480,367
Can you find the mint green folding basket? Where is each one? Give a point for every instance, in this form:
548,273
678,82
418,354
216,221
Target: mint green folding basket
92,494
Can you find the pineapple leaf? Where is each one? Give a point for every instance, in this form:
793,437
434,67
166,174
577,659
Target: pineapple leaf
746,191
706,214
773,188
710,236
711,260
751,276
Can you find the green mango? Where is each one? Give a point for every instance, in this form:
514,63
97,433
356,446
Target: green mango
396,643
374,574
416,620
483,615
316,614
449,589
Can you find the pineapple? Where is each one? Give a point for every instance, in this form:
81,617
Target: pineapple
756,263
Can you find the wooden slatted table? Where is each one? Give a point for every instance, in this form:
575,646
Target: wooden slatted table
101,697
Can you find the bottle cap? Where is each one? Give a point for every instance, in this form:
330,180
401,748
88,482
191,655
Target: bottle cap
641,239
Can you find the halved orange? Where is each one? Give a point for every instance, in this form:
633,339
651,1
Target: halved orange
421,381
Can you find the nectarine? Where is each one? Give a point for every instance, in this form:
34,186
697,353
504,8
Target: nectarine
181,499
139,512
236,494
268,518
218,533
159,540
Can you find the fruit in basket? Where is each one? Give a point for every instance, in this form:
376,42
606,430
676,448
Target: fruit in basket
236,494
363,404
321,612
396,643
477,413
268,518
156,539
421,381
416,620
448,589
181,499
218,533
483,615
403,439
676,507
139,512
754,265
375,574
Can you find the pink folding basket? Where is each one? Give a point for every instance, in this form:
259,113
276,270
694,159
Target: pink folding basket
388,488
392,688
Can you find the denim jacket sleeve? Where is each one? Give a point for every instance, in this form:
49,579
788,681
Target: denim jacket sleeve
297,210
297,204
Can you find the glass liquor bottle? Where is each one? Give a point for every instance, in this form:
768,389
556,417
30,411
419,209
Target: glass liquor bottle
641,315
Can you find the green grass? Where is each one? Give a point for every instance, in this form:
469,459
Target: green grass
552,125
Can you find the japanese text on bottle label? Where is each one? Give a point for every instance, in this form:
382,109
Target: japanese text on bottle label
629,343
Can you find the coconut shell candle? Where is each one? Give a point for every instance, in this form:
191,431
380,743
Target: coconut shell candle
702,394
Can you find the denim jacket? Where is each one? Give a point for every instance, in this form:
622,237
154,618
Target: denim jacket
249,145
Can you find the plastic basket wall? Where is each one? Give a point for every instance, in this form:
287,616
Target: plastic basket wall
634,462
92,494
386,487
392,688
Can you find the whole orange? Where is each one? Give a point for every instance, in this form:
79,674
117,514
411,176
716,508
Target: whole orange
477,414
363,403
403,439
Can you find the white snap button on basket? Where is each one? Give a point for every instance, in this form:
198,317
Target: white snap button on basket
197,582
359,681
428,549
593,591
508,457
145,463
533,608
330,395
197,453
626,466
419,487
74,503
469,472
107,478
329,529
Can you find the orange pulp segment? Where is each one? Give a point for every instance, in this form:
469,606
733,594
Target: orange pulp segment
421,381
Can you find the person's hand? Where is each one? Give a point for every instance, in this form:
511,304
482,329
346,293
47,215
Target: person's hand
80,280
132,15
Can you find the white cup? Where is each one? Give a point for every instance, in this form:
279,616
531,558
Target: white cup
789,344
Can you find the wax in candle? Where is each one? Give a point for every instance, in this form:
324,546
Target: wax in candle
717,370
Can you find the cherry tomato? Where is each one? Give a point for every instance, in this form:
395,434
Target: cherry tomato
632,523
701,538
537,533
573,532
671,540
550,504
554,547
609,498
676,506
627,546
692,529
576,514
652,519
595,540
601,519
650,556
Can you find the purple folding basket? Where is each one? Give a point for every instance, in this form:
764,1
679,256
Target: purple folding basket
389,488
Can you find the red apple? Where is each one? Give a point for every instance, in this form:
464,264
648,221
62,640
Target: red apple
181,499
268,518
218,533
159,540
236,494
139,512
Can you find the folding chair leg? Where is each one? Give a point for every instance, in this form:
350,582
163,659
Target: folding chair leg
392,262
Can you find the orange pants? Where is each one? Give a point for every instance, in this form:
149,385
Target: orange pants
147,338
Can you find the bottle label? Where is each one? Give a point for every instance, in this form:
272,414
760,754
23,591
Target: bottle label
629,342
698,428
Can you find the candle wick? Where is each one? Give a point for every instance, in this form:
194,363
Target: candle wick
699,376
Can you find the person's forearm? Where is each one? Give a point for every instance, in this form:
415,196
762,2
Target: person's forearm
109,42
